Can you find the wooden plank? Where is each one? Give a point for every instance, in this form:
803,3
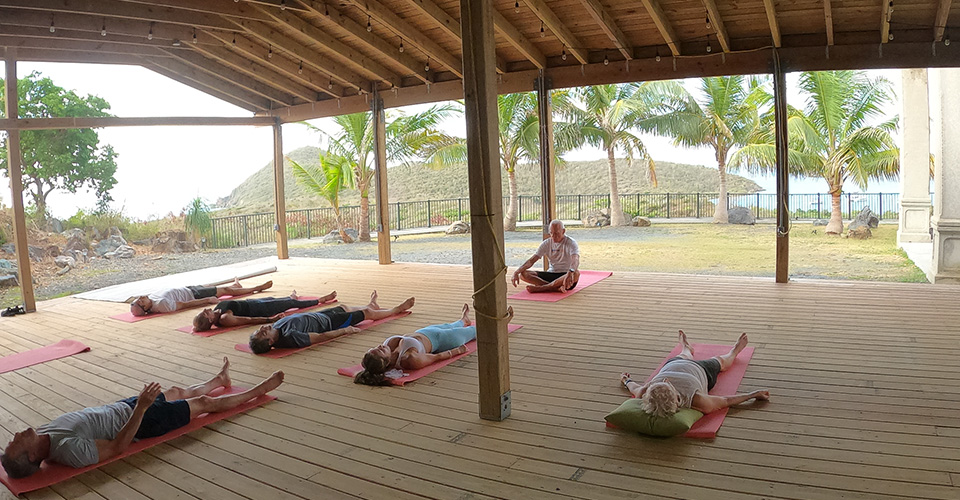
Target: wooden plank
258,71
773,22
207,85
885,14
107,10
380,178
940,22
828,21
548,184
519,42
782,167
663,25
717,21
237,78
609,26
116,121
448,24
570,42
15,173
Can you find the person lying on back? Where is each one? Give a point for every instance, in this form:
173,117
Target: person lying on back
252,311
176,299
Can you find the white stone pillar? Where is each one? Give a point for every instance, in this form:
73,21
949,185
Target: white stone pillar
946,208
914,158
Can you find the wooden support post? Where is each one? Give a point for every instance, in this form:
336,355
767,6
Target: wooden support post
380,177
486,207
279,203
548,185
783,185
16,185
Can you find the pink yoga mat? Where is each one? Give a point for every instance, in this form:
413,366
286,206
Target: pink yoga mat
410,376
216,330
727,384
54,473
587,278
130,318
59,350
282,353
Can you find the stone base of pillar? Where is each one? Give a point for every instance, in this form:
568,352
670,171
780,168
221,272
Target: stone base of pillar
914,221
946,252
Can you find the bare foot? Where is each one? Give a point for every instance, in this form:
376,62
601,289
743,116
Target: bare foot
373,301
270,383
761,395
224,375
264,286
684,343
407,304
465,317
236,282
328,297
624,377
294,296
741,344
509,313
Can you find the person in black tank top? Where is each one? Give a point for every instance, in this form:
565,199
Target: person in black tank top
252,311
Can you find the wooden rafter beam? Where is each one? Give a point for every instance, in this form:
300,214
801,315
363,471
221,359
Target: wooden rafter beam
609,26
338,72
116,121
347,55
192,77
828,19
109,10
239,79
309,77
369,39
448,23
885,21
772,20
253,69
550,20
408,33
77,44
940,22
717,21
77,56
663,25
519,42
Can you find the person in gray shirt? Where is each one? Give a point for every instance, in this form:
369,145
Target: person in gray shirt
92,435
683,382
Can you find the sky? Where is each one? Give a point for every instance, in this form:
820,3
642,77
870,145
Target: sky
161,169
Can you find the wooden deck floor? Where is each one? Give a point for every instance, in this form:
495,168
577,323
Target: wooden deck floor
864,378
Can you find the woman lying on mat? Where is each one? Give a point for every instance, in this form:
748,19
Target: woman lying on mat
175,299
683,382
252,311
424,347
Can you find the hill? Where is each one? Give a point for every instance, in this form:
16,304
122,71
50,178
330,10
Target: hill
417,182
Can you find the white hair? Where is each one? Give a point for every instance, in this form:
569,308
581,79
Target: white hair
660,400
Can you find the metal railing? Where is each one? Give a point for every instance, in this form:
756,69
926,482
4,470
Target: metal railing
251,229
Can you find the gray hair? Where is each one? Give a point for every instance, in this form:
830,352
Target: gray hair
660,400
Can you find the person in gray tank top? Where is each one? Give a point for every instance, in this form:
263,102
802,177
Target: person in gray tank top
684,382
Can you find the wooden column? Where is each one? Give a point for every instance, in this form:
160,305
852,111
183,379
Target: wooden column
16,185
783,186
380,177
279,200
486,206
548,185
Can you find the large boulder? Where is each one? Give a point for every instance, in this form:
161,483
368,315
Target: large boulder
821,222
8,248
114,231
52,251
65,261
859,233
55,225
458,227
7,265
741,215
76,241
351,232
595,218
8,280
172,242
36,253
864,219
640,222
124,252
332,237
109,244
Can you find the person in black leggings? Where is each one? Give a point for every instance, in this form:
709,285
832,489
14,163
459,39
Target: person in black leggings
252,311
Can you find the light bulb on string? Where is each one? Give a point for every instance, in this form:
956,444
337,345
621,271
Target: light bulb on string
300,69
330,85
709,26
401,45
150,33
326,10
606,61
283,4
369,26
194,35
946,41
658,56
516,6
270,52
53,28
563,54
426,67
890,36
542,32
103,29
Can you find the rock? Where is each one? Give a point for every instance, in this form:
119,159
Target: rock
859,233
458,227
821,222
640,222
95,234
125,252
331,237
109,244
595,218
65,261
52,251
864,219
8,264
56,225
8,280
171,242
8,248
64,270
114,231
70,233
36,253
741,215
76,241
351,232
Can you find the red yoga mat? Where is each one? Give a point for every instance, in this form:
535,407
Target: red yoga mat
727,384
352,371
59,350
50,473
282,353
130,318
587,278
216,330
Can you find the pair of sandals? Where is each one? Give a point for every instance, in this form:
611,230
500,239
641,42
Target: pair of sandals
13,311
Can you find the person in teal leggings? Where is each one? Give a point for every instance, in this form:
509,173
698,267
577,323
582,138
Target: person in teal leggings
424,347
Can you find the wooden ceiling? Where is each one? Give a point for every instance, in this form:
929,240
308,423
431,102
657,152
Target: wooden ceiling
300,59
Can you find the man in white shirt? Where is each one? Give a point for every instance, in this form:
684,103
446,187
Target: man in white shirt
563,254
175,299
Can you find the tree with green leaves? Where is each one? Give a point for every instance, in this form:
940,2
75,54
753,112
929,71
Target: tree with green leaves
334,175
408,137
197,219
831,137
608,117
66,159
724,118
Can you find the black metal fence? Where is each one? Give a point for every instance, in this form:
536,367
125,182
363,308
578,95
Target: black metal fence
244,230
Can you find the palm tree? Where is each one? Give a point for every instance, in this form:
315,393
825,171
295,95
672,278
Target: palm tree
334,175
609,114
519,137
830,137
407,137
724,119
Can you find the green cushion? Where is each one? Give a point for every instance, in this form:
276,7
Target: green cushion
629,416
